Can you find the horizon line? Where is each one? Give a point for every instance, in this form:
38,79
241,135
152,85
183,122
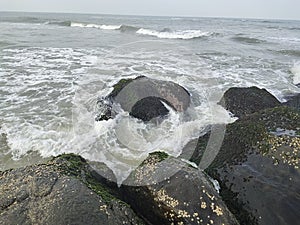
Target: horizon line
142,15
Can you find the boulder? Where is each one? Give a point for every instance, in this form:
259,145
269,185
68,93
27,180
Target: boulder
166,190
244,101
134,94
62,191
149,108
257,167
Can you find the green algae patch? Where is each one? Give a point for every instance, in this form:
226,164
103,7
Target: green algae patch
120,85
279,117
75,165
160,155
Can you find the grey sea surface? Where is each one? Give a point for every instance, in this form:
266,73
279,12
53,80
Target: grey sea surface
53,67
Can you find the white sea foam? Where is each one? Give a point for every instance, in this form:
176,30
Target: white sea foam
91,25
185,34
295,70
52,112
124,142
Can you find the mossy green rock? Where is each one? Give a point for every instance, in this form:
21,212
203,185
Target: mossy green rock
258,167
166,190
120,85
245,101
62,191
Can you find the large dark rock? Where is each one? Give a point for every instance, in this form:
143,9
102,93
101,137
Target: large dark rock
258,167
149,108
134,94
244,101
166,190
62,191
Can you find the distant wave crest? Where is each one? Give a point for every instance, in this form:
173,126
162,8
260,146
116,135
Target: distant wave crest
91,25
167,34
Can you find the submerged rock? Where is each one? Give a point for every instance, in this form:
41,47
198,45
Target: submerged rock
244,101
62,191
258,167
166,190
136,96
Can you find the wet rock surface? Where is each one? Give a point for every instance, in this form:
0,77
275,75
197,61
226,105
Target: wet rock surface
170,191
244,101
136,96
258,166
62,191
149,108
257,169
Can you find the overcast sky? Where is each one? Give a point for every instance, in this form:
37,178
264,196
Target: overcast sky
275,9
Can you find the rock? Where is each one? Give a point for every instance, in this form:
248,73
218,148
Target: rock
149,108
166,190
244,101
62,191
120,85
258,167
141,91
293,101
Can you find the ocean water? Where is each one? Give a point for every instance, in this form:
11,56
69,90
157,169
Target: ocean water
53,67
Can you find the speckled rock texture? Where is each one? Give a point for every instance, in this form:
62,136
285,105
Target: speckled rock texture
244,101
170,191
258,167
59,192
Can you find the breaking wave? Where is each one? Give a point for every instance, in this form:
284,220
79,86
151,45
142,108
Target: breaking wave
91,25
165,33
295,70
168,34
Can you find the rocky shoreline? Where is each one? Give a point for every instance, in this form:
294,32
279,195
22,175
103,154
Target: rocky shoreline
257,169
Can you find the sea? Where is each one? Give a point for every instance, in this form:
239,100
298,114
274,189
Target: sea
54,67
